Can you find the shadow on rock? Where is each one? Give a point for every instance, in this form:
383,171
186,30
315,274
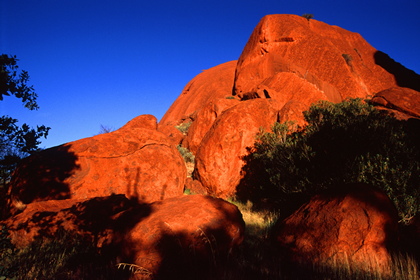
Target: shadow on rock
404,76
42,177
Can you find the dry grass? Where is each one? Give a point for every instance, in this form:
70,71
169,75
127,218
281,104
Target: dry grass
258,258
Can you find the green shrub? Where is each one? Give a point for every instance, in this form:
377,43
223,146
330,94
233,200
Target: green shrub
186,154
183,127
342,143
308,16
348,58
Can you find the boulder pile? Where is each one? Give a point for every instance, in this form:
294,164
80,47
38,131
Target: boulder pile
124,189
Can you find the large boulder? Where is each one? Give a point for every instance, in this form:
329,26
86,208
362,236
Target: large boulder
84,217
136,160
356,225
166,239
339,64
181,237
203,121
219,158
404,102
289,60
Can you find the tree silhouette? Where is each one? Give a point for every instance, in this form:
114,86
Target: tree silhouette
16,141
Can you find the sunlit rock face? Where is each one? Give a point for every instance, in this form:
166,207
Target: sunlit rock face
355,225
336,62
219,158
289,60
136,160
403,102
202,100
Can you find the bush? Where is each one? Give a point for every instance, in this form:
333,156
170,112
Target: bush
66,255
186,154
183,127
308,16
342,143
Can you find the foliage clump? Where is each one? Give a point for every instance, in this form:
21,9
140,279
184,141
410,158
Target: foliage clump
308,16
348,142
16,141
66,255
187,155
183,127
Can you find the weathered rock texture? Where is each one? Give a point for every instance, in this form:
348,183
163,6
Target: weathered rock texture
293,62
136,160
357,226
335,61
404,102
208,92
177,235
219,158
211,84
85,217
181,235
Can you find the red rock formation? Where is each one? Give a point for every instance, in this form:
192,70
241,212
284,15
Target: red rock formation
186,232
290,60
405,102
194,187
180,234
136,160
356,226
218,160
201,101
207,86
87,218
285,52
203,121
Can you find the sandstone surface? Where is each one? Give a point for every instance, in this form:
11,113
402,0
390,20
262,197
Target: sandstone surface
287,53
84,217
219,158
404,101
292,61
357,225
203,121
338,62
211,84
177,235
136,160
181,236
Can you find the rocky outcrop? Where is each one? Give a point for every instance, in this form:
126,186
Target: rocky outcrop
356,226
219,158
204,120
203,99
213,86
177,235
293,62
403,102
335,61
136,160
181,236
89,218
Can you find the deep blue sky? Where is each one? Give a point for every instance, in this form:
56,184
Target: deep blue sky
105,62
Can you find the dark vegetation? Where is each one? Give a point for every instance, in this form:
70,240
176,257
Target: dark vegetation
66,255
16,142
343,143
308,16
